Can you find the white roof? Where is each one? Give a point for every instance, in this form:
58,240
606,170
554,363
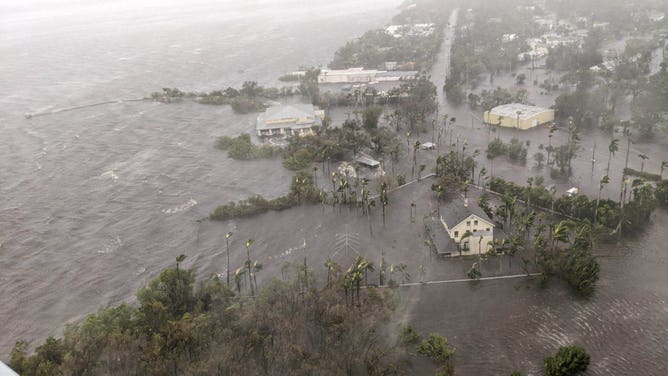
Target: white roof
6,371
284,115
510,110
349,71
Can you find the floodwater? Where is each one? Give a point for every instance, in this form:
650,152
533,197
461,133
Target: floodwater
97,201
504,325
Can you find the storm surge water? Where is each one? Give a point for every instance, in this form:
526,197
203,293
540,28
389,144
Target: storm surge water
96,201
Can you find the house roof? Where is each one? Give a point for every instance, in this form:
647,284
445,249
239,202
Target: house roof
294,114
367,161
456,211
443,243
6,371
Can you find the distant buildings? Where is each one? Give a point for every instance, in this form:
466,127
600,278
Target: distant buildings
414,30
518,115
656,16
361,75
288,120
508,37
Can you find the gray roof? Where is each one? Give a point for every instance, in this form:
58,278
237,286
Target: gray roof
455,211
287,115
442,242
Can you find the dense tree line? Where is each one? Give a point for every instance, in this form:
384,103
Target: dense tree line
375,47
180,327
478,47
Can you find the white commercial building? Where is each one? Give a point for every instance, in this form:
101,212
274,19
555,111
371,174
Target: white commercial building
288,120
361,76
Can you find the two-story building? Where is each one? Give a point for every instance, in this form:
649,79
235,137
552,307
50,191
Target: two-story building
468,229
288,120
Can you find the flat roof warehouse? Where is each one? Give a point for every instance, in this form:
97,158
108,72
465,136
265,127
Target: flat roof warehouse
526,111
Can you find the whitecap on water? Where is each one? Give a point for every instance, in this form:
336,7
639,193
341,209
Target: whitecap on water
183,207
111,174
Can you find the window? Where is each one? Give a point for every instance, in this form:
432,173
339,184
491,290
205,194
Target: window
456,234
487,228
468,223
475,223
475,230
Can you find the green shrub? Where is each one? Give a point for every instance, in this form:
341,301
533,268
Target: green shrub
401,180
408,336
299,160
246,105
241,148
580,270
436,347
569,361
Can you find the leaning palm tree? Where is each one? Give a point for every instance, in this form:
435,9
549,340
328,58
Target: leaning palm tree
249,242
558,234
238,275
604,180
466,235
643,158
664,164
179,260
612,149
257,266
332,270
482,172
227,243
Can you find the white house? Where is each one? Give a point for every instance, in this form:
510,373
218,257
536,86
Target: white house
468,228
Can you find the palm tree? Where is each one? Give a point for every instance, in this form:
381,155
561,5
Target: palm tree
227,243
179,260
315,175
257,266
612,149
604,180
439,195
559,233
416,148
365,266
237,279
403,270
643,158
509,203
420,171
481,173
333,269
530,184
249,242
664,164
383,198
466,235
